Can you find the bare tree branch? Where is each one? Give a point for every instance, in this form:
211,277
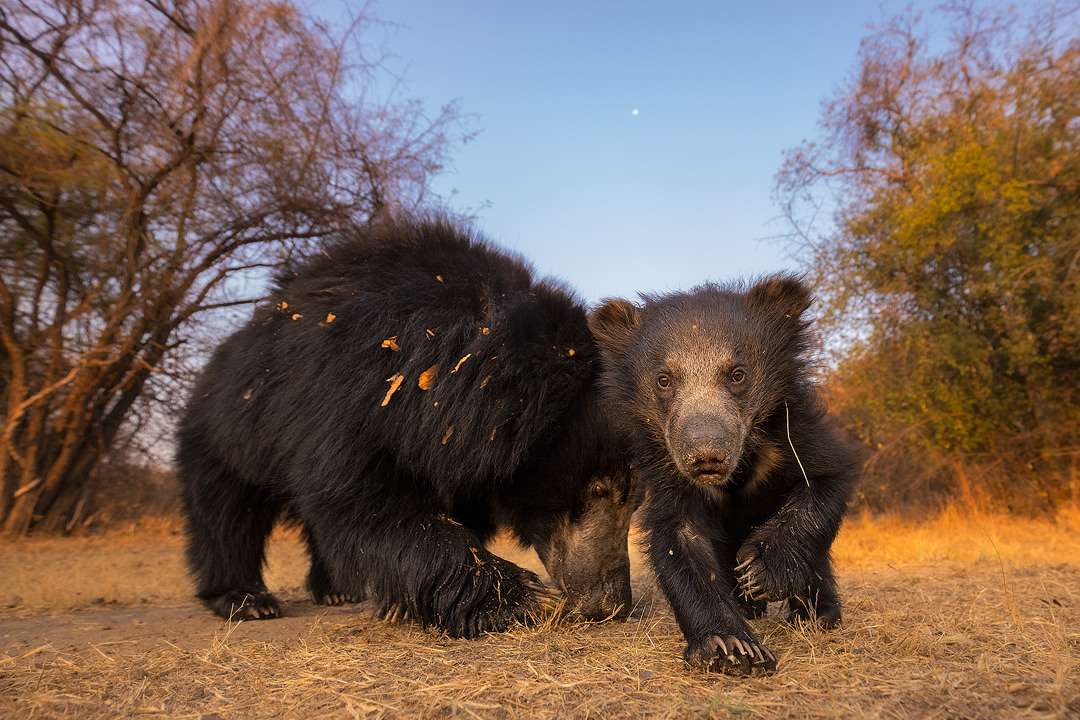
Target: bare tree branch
156,158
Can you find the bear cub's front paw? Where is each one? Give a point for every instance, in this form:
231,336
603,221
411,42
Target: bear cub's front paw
729,654
764,572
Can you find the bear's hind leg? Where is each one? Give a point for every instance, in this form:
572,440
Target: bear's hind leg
321,585
228,523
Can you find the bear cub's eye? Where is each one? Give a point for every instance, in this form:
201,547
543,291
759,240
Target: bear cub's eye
663,381
738,375
600,490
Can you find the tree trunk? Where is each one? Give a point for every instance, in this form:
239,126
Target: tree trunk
58,464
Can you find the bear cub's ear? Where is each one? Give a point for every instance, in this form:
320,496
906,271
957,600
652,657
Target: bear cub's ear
614,323
780,298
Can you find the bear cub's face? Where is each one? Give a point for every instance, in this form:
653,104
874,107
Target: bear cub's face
695,373
703,401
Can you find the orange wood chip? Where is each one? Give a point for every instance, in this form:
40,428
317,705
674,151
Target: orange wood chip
427,378
395,383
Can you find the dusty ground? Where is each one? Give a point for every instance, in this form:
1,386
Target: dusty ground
961,616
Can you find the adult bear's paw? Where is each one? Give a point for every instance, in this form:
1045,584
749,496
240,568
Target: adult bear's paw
332,598
511,595
324,591
729,654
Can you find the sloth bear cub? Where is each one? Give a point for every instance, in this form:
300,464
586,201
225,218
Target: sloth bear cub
746,483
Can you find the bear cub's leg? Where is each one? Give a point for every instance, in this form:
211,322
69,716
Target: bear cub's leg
820,604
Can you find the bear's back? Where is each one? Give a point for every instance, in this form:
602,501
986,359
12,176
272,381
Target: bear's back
411,342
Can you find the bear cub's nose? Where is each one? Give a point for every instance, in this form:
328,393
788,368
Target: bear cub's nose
707,463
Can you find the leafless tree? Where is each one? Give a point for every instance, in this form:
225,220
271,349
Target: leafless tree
153,154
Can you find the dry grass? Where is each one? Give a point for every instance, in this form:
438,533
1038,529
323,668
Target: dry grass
972,616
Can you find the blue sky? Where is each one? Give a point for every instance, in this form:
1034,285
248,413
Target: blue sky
563,171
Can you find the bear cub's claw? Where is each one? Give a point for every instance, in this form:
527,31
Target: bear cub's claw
730,655
766,573
550,601
751,577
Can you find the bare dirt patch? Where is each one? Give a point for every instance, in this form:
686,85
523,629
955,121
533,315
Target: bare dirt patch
955,617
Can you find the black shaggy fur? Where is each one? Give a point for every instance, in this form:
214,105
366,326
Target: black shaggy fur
714,387
403,394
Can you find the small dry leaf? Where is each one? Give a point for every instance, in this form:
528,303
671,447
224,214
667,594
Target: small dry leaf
284,305
331,316
439,278
485,330
449,432
485,381
427,378
247,394
459,362
395,383
570,352
391,342
430,333
297,316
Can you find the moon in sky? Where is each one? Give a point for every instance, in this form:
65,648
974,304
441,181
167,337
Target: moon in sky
634,111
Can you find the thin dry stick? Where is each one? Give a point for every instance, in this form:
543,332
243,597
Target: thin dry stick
787,423
16,658
1009,601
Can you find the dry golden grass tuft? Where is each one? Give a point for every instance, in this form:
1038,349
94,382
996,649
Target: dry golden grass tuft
958,616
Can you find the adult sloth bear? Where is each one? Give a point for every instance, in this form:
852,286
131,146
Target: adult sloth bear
403,394
746,482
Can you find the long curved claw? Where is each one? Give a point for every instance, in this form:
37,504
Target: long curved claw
742,655
543,590
749,583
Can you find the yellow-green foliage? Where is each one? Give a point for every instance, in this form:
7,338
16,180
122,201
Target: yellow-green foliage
953,263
